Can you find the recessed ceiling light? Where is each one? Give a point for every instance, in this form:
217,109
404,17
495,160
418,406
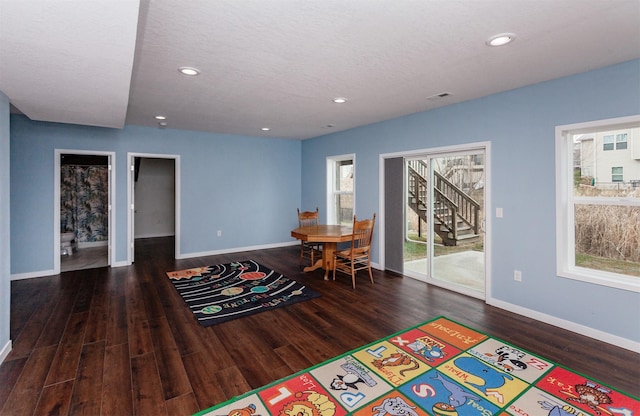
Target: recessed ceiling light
500,39
265,128
187,70
162,124
339,100
161,117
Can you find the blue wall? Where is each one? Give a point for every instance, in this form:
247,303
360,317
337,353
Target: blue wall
520,124
248,187
5,258
225,178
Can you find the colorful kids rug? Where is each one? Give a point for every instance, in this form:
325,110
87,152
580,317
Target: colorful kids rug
224,292
436,368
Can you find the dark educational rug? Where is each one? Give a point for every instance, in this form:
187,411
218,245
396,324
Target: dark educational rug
223,292
438,367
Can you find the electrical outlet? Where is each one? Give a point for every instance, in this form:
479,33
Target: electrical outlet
517,275
219,233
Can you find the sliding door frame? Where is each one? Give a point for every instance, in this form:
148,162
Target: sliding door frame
428,152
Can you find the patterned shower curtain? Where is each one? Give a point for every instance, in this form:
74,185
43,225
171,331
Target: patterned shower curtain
84,200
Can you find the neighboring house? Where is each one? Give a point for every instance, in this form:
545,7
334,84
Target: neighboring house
609,159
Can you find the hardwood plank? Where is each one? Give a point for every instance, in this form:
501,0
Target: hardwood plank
202,369
26,340
65,362
147,388
139,335
55,399
28,388
183,405
117,331
87,393
169,363
10,370
232,382
98,311
117,398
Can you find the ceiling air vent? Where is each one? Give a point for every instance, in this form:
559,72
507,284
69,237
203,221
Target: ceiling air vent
439,96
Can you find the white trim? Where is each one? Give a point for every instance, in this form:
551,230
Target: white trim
485,147
31,275
565,236
568,325
331,180
111,156
156,235
237,250
6,349
131,195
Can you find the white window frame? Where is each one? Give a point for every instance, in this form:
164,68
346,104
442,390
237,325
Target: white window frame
332,217
565,202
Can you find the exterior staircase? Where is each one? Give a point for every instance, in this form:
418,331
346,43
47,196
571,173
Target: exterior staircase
455,214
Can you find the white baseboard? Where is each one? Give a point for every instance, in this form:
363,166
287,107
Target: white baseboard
29,275
568,325
89,244
154,235
235,250
6,349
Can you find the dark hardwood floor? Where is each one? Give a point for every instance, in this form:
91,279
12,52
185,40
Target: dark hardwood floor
121,342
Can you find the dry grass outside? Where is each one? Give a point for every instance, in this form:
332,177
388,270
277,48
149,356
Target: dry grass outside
607,231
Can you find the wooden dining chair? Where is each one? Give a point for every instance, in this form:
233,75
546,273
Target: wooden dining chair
358,256
309,250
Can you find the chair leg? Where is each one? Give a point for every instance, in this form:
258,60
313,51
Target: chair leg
370,275
333,266
353,275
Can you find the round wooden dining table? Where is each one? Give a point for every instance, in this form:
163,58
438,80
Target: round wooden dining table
327,234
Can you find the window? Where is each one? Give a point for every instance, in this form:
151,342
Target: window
621,141
597,213
616,174
341,189
617,141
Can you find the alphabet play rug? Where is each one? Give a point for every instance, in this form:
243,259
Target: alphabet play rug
224,292
436,368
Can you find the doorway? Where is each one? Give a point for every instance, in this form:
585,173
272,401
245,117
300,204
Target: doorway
153,199
438,233
83,212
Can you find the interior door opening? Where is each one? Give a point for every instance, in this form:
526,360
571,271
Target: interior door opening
83,216
153,192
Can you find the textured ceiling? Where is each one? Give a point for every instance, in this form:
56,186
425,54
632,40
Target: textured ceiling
279,63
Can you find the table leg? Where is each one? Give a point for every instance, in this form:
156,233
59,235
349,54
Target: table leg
327,258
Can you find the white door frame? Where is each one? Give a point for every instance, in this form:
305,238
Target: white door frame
56,206
131,199
486,148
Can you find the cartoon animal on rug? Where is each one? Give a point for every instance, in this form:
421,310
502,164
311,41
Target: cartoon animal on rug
509,359
555,410
457,395
246,411
346,381
309,403
428,352
592,395
397,359
492,378
355,374
394,406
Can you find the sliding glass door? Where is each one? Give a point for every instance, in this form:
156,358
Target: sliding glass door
444,220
